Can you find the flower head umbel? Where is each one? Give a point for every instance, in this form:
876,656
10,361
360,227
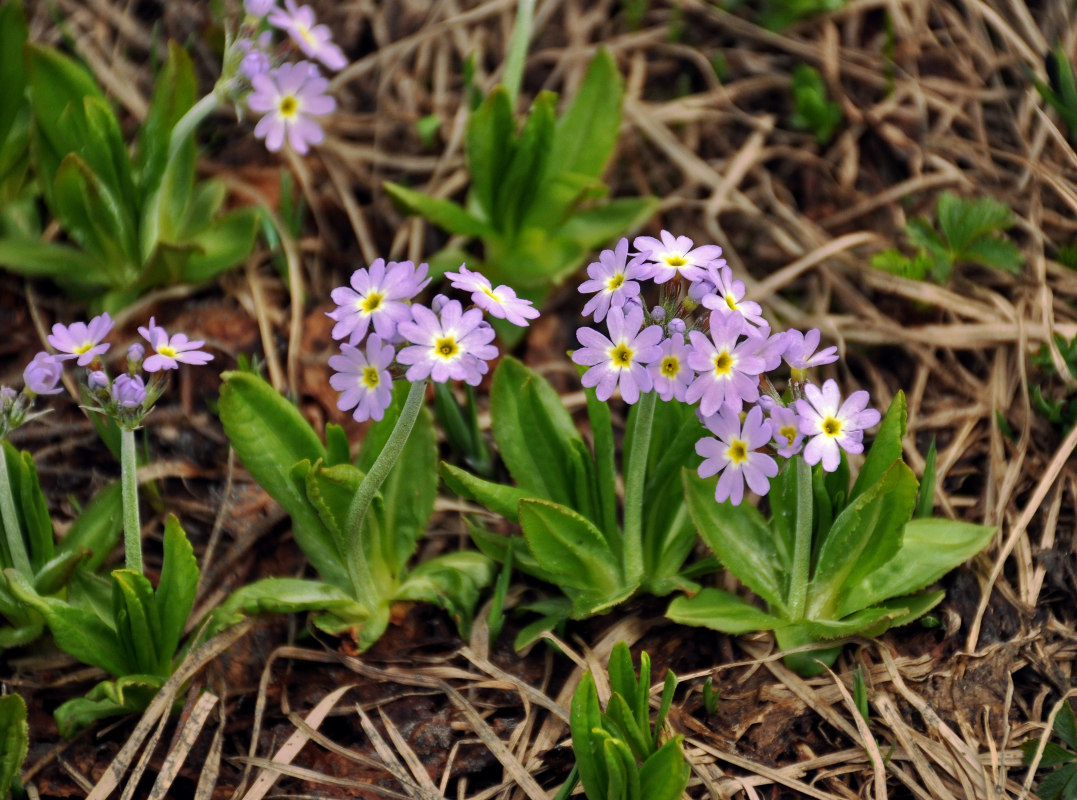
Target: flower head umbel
501,302
363,379
169,353
313,39
378,297
42,375
728,368
833,424
670,371
290,96
613,279
82,341
622,359
673,255
732,451
455,346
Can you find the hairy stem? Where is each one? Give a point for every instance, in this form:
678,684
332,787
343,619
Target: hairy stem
635,480
798,585
132,529
15,545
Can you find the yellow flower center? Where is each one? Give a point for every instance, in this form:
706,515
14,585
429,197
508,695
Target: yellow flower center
446,347
789,432
729,301
616,282
671,365
832,426
676,261
167,351
82,348
723,363
737,452
306,35
621,355
491,295
370,377
371,303
288,106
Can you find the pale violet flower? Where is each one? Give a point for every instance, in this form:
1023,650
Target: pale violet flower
832,424
290,96
455,346
42,374
129,391
670,371
379,297
363,379
612,279
501,302
170,352
728,367
732,451
672,255
259,8
622,358
728,297
313,39
800,350
785,427
82,341
771,346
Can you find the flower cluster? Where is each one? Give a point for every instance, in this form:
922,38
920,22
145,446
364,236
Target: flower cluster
718,358
289,96
443,341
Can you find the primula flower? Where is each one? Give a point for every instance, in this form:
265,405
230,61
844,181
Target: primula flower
833,424
80,340
501,302
169,353
674,255
289,96
800,350
614,278
363,378
670,371
771,346
728,297
785,425
454,347
378,297
314,40
733,453
621,359
259,8
42,375
728,369
129,391
256,60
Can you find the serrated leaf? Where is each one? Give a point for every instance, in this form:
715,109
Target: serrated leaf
1066,725
1053,754
719,610
964,221
996,253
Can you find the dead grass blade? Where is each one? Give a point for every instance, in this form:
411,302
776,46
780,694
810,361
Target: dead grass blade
185,739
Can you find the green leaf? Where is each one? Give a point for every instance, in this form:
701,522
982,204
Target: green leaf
622,673
97,528
176,590
863,537
628,729
925,498
964,221
929,549
14,731
282,596
1059,785
92,216
921,233
894,262
57,573
605,472
497,497
1066,725
174,92
446,214
453,581
128,695
996,253
490,148
585,716
224,244
885,450
31,508
13,35
39,259
669,686
337,447
621,768
137,623
739,536
496,546
664,776
587,132
721,611
1053,754
554,612
594,227
521,180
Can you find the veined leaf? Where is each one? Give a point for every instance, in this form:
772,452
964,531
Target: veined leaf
446,214
174,598
885,450
721,611
570,547
496,497
490,148
14,731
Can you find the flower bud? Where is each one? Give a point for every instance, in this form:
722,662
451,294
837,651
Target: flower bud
7,398
96,381
658,314
43,374
676,325
700,289
438,303
129,391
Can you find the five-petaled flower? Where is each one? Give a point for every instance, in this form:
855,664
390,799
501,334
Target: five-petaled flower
728,368
613,279
313,39
455,346
501,302
670,371
832,424
378,297
363,378
169,353
674,255
733,451
622,358
290,96
82,341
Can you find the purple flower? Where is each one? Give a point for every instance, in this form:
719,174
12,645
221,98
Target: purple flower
728,370
728,297
733,453
800,348
670,371
363,378
289,96
314,40
501,302
833,424
256,60
259,8
96,381
81,340
454,347
621,359
169,353
614,279
771,346
786,430
378,297
129,391
673,256
42,375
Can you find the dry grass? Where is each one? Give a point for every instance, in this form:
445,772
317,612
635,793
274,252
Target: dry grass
949,107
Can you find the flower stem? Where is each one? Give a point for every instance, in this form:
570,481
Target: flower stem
132,530
358,568
635,478
798,586
15,545
189,121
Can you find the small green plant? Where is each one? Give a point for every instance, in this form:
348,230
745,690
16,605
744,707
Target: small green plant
14,741
1053,399
619,753
535,201
1061,784
1060,91
969,231
777,15
813,110
711,696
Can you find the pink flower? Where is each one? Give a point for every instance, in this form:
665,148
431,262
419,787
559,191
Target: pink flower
728,297
169,353
42,374
363,379
290,96
832,424
454,347
800,350
501,302
674,255
728,368
733,453
378,297
314,40
670,371
613,279
620,360
80,340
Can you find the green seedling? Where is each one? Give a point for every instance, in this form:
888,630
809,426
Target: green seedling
14,741
813,110
1061,784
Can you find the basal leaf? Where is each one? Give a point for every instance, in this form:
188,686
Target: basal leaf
587,132
597,226
570,547
622,674
138,625
521,180
721,611
55,574
453,581
281,596
176,590
39,259
664,776
93,217
13,35
446,214
224,244
31,509
885,450
585,717
925,497
627,727
97,528
496,497
130,694
174,92
490,148
598,413
14,731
